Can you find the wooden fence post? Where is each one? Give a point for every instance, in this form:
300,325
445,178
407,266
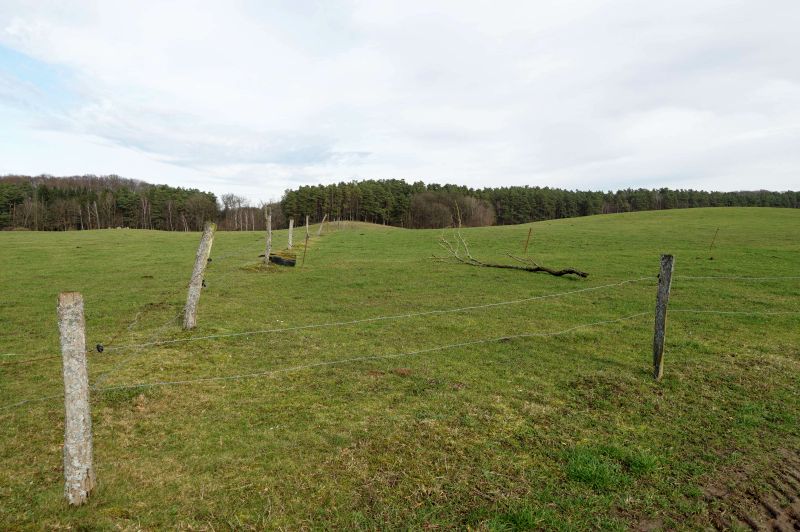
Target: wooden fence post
78,460
291,229
196,282
525,251
664,283
713,239
305,246
269,239
321,224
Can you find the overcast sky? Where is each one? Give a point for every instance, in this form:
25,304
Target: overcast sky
254,97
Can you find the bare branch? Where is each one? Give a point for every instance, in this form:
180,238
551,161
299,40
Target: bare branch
459,253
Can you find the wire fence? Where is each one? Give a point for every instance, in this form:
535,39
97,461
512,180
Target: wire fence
155,340
138,349
140,313
380,318
131,351
241,376
371,357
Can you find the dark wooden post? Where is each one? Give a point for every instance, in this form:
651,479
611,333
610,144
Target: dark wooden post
78,455
525,252
662,299
713,240
305,246
269,240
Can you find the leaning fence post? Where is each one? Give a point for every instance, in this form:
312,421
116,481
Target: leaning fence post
196,282
291,228
306,227
662,299
269,239
525,251
321,224
79,479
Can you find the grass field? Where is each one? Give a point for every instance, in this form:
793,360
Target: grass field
564,432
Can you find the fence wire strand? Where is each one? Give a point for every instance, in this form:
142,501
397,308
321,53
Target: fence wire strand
377,318
417,352
137,348
733,312
371,357
144,309
267,373
133,353
736,277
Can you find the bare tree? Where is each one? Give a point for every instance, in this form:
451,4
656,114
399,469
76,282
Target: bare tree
170,205
199,208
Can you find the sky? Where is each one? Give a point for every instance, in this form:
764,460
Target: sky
255,97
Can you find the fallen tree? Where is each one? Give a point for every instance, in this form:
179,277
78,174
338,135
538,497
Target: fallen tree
459,253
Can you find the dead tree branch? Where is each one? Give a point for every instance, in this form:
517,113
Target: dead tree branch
532,266
458,253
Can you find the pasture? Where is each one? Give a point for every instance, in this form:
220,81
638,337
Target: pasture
423,419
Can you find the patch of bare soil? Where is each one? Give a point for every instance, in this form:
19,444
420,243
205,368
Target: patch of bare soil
776,507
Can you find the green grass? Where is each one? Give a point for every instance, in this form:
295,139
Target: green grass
561,432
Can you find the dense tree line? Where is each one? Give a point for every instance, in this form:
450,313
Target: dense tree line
91,202
416,205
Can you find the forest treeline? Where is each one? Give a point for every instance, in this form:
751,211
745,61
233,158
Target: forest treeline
417,205
95,202
91,202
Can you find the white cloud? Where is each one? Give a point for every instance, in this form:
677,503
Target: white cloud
255,98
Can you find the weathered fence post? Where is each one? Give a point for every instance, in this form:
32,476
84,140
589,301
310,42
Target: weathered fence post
713,240
321,224
525,251
291,229
305,246
196,282
664,282
78,460
269,239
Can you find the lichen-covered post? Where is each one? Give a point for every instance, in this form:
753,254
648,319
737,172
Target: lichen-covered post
269,239
78,460
662,299
196,282
291,228
307,227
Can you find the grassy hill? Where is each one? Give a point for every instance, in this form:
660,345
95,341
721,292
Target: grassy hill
371,424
